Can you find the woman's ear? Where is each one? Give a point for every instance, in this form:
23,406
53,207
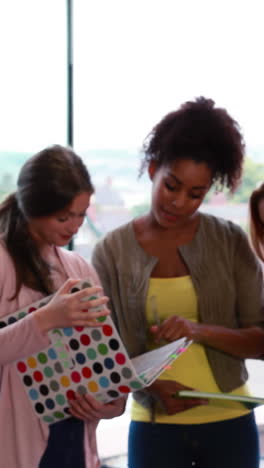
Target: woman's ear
152,168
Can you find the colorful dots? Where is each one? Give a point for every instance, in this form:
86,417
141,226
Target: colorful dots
74,344
48,419
33,393
109,363
44,390
98,368
27,380
99,397
135,384
65,381
3,324
60,399
104,382
81,390
126,373
91,353
39,407
96,335
71,395
58,367
68,331
21,315
107,330
113,393
102,349
54,385
120,358
21,366
115,377
93,386
86,372
32,362
75,376
85,340
114,345
31,309
75,290
50,403
48,371
38,376
12,320
124,389
86,285
80,358
52,353
101,319
58,415
42,357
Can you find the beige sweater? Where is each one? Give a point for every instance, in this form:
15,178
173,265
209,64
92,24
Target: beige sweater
227,277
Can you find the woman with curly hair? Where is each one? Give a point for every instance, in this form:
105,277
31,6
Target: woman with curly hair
256,221
177,272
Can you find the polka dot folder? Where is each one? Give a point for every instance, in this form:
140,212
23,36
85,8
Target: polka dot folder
85,360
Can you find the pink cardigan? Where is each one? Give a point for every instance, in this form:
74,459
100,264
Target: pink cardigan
23,436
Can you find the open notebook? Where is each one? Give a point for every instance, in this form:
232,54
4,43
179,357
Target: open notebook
86,360
248,401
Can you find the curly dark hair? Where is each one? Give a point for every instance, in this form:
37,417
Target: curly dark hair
203,133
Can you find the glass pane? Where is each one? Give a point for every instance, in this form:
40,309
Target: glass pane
33,81
135,62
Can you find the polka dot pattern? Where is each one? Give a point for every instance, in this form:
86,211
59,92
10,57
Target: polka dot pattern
79,360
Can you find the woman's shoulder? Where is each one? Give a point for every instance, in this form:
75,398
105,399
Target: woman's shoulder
5,259
215,225
119,238
76,263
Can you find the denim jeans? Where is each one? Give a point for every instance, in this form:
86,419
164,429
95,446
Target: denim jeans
225,444
65,445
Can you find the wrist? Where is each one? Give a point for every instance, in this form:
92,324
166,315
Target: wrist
201,333
42,317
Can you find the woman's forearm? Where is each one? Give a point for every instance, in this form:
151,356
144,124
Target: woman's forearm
242,342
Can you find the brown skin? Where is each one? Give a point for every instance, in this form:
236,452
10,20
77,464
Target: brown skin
177,192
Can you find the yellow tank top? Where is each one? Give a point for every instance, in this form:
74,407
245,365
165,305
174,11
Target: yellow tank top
176,296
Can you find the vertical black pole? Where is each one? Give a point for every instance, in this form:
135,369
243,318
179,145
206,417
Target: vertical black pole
69,75
69,82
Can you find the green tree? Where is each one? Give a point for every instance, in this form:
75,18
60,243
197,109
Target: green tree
253,175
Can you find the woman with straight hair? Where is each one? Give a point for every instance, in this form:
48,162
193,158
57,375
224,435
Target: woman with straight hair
47,209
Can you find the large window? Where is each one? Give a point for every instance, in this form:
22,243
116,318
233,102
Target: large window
33,81
133,61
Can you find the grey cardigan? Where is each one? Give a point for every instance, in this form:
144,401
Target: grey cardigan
226,275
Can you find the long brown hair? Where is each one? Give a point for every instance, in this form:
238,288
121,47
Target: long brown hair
47,183
256,225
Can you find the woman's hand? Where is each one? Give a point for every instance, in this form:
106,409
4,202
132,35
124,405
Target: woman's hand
245,342
166,392
174,328
85,407
67,309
